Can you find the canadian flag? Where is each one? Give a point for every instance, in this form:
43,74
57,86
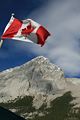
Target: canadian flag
25,30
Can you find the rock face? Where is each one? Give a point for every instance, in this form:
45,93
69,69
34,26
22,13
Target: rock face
36,76
38,88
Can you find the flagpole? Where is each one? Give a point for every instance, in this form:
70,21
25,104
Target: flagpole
1,42
12,14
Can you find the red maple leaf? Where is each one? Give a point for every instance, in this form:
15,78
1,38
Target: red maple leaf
26,31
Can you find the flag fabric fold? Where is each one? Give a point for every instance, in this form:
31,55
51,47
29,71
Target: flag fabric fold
25,30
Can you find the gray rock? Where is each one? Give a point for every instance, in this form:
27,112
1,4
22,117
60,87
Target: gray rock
37,75
40,79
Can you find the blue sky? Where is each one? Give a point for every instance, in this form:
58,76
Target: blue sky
11,56
61,18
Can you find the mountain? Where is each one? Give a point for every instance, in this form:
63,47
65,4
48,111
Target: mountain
38,89
34,77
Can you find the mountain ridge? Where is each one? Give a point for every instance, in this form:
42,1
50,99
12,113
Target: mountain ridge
38,81
36,75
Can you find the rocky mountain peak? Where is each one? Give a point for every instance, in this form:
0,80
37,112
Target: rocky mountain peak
37,76
30,89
